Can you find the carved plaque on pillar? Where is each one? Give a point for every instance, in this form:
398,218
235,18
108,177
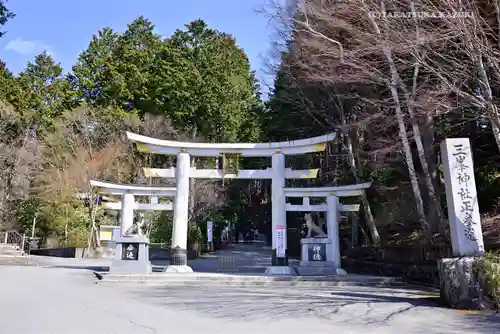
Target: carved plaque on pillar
316,252
130,251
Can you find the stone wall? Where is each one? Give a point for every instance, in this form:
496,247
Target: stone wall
417,263
404,254
69,252
414,263
422,273
74,252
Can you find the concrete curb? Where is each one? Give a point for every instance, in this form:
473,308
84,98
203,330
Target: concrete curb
241,280
256,284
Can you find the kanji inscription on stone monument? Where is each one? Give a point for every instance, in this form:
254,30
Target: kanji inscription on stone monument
130,251
461,197
317,252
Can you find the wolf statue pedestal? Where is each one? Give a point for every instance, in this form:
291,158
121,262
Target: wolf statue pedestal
131,256
132,250
317,256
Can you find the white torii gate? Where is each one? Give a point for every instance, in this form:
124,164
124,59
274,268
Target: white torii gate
137,245
277,173
332,207
127,205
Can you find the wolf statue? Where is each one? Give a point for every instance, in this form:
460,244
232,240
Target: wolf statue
136,228
311,226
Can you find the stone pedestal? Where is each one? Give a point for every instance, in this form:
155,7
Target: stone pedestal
318,258
461,286
131,256
178,261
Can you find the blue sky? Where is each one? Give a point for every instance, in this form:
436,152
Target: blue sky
65,27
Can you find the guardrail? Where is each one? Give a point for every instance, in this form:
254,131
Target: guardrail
226,263
21,241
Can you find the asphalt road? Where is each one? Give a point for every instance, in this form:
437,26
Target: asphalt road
60,301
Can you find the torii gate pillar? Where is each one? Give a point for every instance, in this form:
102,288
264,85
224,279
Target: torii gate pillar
127,213
278,212
178,255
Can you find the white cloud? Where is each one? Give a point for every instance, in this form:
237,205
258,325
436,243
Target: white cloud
27,47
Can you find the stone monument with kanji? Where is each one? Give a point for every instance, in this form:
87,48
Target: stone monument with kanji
460,286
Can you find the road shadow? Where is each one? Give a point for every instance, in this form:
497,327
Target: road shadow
347,305
483,321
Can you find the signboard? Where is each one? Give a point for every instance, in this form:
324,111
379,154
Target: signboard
210,226
280,241
316,252
130,251
105,235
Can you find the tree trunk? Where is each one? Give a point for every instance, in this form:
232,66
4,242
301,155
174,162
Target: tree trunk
354,230
395,78
433,200
491,108
392,85
428,143
93,241
494,121
434,205
419,203
370,221
66,227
